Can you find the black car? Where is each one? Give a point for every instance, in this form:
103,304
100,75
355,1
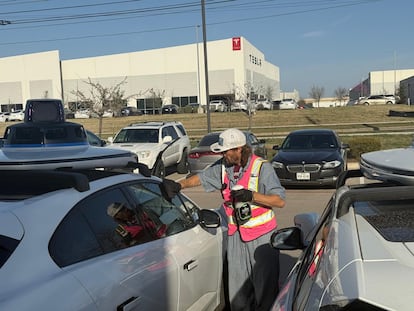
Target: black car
169,109
313,157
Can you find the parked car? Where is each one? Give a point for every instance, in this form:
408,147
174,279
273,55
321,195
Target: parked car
63,244
108,114
82,114
131,111
218,106
377,100
17,115
313,157
69,114
263,104
288,103
149,139
4,116
239,105
201,156
169,109
357,255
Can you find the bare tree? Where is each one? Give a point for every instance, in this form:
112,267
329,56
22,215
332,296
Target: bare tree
248,92
340,94
100,98
155,99
316,93
269,93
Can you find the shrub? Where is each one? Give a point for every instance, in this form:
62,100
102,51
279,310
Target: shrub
359,145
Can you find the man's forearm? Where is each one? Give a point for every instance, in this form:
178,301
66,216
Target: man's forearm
272,200
192,181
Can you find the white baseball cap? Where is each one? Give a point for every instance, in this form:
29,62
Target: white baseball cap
114,208
229,139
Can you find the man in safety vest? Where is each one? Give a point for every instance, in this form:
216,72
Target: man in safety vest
251,191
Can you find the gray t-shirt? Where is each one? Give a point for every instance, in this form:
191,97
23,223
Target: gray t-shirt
211,178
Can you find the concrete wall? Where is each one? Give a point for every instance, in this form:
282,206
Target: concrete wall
174,71
29,76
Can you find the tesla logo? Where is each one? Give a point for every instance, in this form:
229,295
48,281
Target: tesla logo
236,43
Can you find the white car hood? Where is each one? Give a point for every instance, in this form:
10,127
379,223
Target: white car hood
135,147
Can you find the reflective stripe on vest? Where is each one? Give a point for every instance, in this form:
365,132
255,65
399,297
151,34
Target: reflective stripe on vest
263,219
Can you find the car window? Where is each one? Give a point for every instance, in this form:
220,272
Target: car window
323,141
169,131
168,217
137,136
181,129
209,140
88,231
7,247
296,142
308,287
252,139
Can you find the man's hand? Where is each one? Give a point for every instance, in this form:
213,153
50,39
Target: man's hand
171,187
242,195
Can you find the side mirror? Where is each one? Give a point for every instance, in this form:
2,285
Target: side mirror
276,147
167,139
103,143
208,218
345,146
262,141
287,239
110,140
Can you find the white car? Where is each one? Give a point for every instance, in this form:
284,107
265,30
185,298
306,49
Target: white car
218,106
4,116
17,115
82,114
239,105
377,100
62,247
288,103
358,255
151,140
263,104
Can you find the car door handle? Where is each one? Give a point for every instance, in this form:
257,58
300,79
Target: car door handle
129,304
190,265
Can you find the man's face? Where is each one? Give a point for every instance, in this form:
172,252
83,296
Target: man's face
124,215
232,156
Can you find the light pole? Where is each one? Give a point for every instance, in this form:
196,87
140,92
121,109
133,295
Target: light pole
203,15
198,67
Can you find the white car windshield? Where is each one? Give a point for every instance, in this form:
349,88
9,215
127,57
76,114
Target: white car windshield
137,136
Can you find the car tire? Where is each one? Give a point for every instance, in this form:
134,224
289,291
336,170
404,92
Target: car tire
182,166
159,169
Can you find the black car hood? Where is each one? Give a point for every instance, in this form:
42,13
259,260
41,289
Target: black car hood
308,156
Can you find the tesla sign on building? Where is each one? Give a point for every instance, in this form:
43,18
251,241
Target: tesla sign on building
236,44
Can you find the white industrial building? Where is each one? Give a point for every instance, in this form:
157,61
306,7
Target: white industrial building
380,83
236,69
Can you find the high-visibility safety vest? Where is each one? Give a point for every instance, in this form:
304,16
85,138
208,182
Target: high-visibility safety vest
263,219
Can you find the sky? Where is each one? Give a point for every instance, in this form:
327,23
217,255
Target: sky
325,43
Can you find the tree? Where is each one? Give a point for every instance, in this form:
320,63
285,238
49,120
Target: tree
248,92
340,94
269,93
102,98
316,93
154,100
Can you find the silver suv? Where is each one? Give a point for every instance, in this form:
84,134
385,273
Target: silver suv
157,144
